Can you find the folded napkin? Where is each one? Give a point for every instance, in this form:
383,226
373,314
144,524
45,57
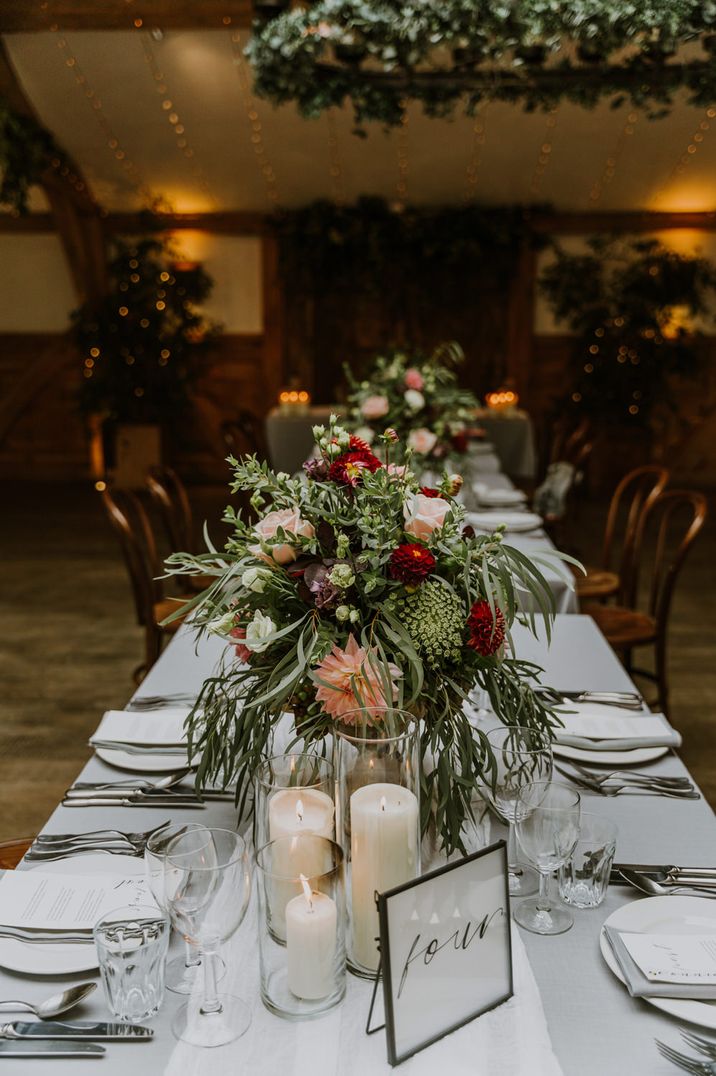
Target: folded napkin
161,728
606,728
639,986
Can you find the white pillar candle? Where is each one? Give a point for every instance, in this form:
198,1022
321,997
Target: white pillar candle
384,854
296,812
311,922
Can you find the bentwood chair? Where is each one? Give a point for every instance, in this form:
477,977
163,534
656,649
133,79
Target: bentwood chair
170,497
131,524
11,852
633,496
667,529
559,520
245,435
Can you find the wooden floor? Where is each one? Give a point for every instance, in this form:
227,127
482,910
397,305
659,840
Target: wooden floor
69,641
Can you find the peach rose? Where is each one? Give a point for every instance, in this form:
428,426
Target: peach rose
422,440
291,521
414,379
423,515
375,407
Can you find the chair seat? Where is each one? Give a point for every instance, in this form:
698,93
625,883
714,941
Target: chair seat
165,608
622,627
597,583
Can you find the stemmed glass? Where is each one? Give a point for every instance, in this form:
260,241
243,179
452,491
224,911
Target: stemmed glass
182,972
207,878
547,831
521,757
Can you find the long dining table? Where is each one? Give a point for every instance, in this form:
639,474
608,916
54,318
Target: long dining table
594,1026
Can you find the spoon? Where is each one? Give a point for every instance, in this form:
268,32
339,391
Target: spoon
53,1006
654,889
163,783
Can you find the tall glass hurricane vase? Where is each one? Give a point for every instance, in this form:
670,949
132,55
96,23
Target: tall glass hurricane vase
208,887
521,757
377,760
548,818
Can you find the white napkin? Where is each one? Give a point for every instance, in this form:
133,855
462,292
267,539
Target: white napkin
639,986
606,728
160,728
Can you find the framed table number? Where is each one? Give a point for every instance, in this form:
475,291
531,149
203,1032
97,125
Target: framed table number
446,951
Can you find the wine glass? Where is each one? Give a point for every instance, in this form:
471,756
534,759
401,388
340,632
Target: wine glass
521,756
207,889
547,831
182,972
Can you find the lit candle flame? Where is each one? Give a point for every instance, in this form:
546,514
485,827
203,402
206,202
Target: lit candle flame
382,803
307,891
299,810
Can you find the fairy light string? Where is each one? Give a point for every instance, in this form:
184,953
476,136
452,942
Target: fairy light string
256,127
614,158
544,157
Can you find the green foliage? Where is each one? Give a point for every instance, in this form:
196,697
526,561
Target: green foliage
26,150
379,53
626,301
141,344
287,613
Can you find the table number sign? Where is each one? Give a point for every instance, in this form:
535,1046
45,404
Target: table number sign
445,948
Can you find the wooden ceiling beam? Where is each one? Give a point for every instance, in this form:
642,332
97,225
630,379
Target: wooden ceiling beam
22,16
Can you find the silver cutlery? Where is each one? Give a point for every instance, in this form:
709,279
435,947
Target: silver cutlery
98,1030
50,1048
625,700
132,838
147,792
635,775
71,851
38,937
180,750
626,788
683,1061
54,1005
135,801
647,885
660,871
158,702
698,1042
169,781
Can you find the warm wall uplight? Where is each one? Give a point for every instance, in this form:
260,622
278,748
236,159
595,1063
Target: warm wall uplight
683,240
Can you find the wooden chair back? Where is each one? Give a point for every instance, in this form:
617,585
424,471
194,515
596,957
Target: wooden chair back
567,443
11,852
170,497
131,525
633,495
669,525
245,435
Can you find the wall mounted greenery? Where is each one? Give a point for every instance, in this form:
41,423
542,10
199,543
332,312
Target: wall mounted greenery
139,347
630,303
27,149
380,53
360,278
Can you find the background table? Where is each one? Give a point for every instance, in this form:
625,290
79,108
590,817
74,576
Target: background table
289,435
595,1026
513,439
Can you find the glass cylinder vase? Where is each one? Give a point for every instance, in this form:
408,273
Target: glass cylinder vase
303,973
294,797
377,760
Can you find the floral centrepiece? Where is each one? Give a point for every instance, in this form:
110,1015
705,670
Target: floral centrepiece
354,588
420,398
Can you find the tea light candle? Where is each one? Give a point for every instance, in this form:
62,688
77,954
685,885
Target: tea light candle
384,854
311,922
294,812
294,400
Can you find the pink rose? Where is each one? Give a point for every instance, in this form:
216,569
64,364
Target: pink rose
375,407
414,379
423,515
242,652
291,521
422,440
396,470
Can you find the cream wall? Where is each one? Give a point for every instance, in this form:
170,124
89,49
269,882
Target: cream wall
685,241
36,292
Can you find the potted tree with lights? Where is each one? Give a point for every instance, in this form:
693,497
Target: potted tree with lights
139,348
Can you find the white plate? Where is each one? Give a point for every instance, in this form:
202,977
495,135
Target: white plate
514,521
609,758
481,448
502,498
68,959
144,763
666,915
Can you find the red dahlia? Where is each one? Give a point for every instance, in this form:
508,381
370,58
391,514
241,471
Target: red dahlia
410,563
357,444
486,634
347,469
428,491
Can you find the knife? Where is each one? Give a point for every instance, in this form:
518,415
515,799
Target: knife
51,1048
154,801
657,868
80,1029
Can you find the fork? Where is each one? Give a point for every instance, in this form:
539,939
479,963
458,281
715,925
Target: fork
683,1061
704,1046
627,789
56,840
632,777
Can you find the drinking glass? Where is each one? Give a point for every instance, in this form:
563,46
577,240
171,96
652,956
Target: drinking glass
584,878
182,972
521,757
132,945
207,878
547,831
